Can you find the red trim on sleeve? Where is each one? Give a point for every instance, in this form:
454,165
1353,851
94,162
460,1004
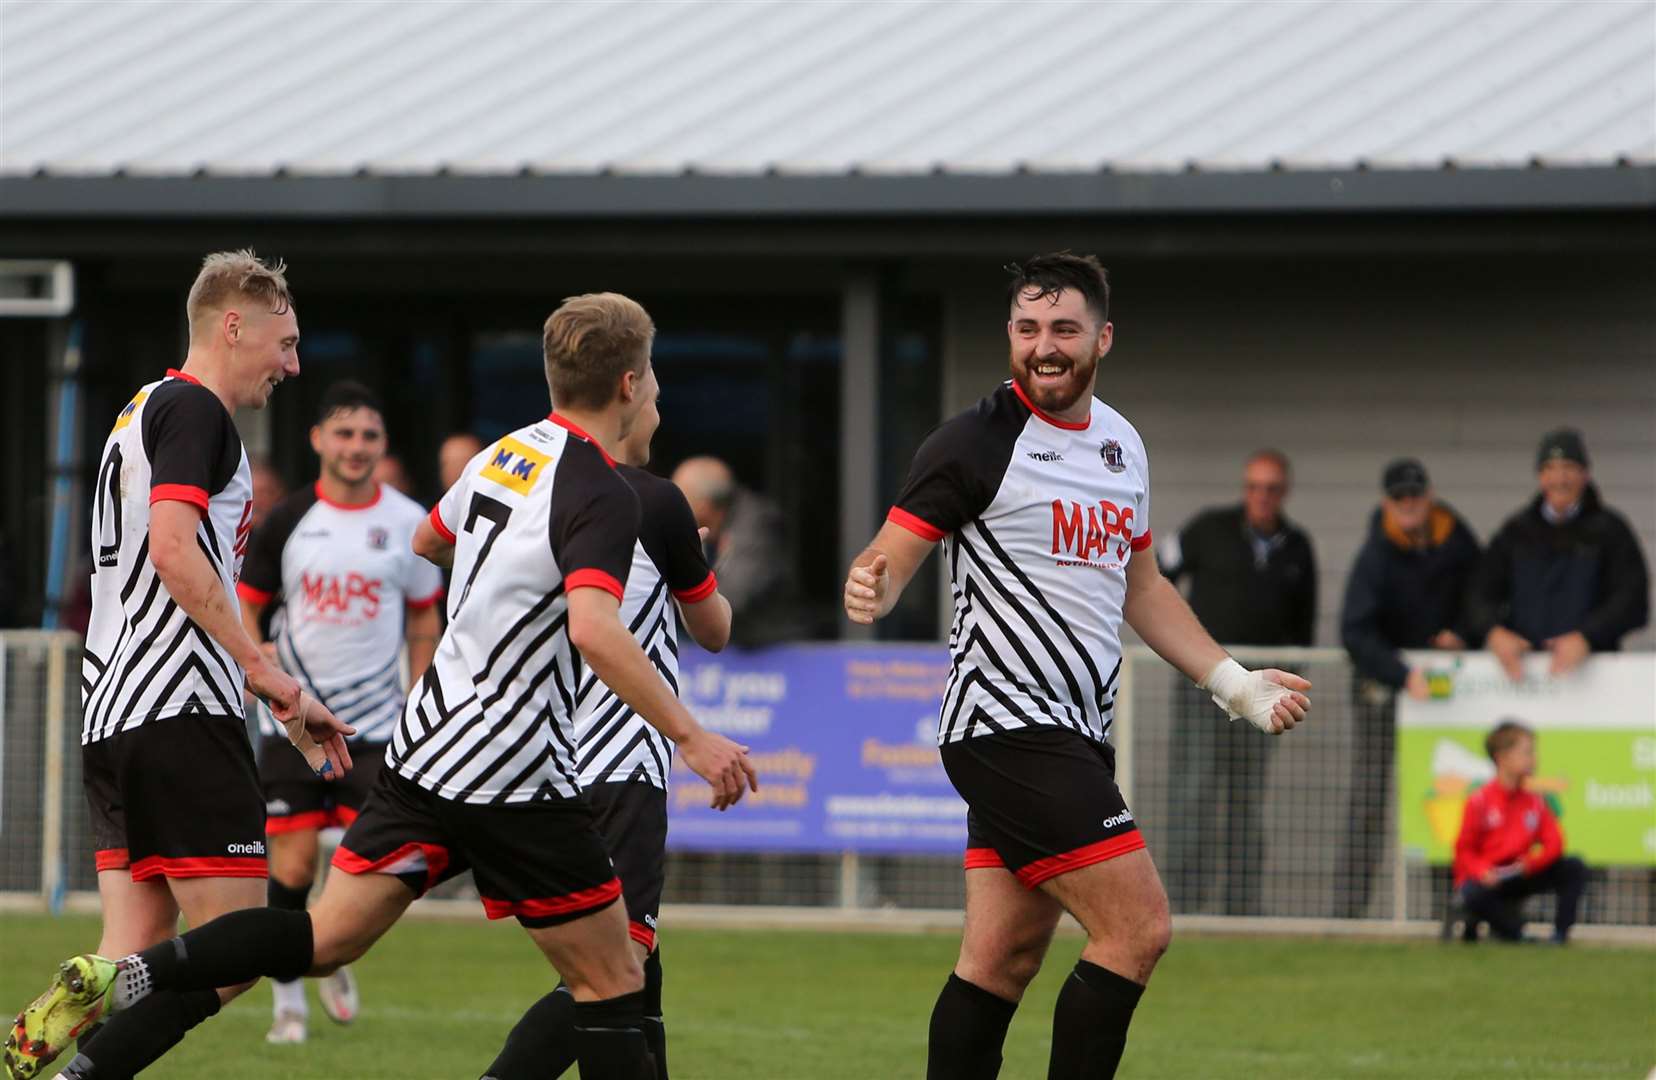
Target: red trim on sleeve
155,866
642,934
426,601
378,491
572,903
111,859
444,531
983,858
252,595
1067,425
188,493
575,429
1141,541
1050,867
593,579
174,373
920,527
700,592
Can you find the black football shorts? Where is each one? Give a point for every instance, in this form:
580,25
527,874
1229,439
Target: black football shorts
541,862
632,819
176,798
1041,801
297,799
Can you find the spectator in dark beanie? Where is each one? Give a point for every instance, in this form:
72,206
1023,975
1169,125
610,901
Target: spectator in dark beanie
1564,574
1407,590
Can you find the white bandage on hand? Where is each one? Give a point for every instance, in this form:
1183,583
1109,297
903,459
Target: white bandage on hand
1244,693
315,756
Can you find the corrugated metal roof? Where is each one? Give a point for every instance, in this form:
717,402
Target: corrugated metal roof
647,87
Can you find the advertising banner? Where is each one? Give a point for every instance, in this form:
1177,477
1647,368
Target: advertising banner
845,741
1595,760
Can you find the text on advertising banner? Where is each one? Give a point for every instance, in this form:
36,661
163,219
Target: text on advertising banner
1595,751
845,741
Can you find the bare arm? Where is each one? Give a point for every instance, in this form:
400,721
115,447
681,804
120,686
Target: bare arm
1162,617
1271,700
708,621
194,585
421,629
431,546
616,658
879,575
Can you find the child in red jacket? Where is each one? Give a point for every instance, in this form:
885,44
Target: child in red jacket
1510,845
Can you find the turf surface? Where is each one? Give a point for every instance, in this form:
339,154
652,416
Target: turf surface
440,996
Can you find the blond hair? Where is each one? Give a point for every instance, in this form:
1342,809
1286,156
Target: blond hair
229,277
590,342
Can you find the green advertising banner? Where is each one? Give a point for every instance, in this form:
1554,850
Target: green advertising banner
1596,751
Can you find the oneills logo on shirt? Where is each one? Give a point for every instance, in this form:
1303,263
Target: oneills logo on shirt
125,417
514,465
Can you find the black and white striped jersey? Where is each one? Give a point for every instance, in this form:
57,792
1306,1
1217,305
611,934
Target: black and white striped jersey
341,577
145,659
537,514
616,744
1039,518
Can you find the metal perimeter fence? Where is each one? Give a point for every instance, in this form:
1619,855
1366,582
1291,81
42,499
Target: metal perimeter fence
1293,832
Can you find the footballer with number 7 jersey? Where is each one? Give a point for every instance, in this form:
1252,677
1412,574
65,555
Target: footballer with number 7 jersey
481,773
1041,497
177,819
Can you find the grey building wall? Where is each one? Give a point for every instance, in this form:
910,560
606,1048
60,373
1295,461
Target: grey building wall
1344,363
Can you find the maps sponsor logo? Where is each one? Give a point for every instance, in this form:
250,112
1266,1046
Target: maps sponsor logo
332,594
1084,533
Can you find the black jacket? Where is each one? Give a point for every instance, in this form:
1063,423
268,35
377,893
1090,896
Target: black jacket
1399,596
1541,580
1241,603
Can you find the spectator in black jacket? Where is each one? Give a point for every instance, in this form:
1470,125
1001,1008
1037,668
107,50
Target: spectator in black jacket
1564,574
1407,590
1253,581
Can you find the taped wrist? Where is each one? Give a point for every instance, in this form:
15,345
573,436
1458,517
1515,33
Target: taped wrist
1228,683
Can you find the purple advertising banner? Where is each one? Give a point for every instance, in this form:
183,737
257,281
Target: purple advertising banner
845,741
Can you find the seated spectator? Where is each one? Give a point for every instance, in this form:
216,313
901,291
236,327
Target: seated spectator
1510,846
1407,590
1564,574
747,549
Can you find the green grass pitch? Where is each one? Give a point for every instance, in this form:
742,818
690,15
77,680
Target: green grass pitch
439,996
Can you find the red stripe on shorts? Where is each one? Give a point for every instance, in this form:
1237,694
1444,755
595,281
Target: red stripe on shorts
154,866
983,858
642,934
1050,867
436,860
554,905
114,858
309,821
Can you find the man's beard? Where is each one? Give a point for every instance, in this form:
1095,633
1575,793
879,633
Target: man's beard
1056,398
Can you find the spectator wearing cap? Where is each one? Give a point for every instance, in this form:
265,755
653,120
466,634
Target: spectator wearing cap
1253,581
1564,574
1407,590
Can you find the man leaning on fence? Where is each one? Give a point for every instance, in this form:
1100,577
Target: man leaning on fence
1510,846
1407,590
1565,573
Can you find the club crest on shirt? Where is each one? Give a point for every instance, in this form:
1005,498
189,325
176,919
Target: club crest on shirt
378,538
1111,453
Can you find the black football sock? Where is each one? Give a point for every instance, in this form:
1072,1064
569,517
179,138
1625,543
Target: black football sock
608,1042
232,949
1089,1026
136,1038
542,1045
968,1029
286,898
655,1029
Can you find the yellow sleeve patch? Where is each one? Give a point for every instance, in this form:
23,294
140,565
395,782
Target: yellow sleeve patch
125,416
512,464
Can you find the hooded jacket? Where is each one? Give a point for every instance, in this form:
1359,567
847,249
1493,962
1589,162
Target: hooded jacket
1400,593
1543,580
